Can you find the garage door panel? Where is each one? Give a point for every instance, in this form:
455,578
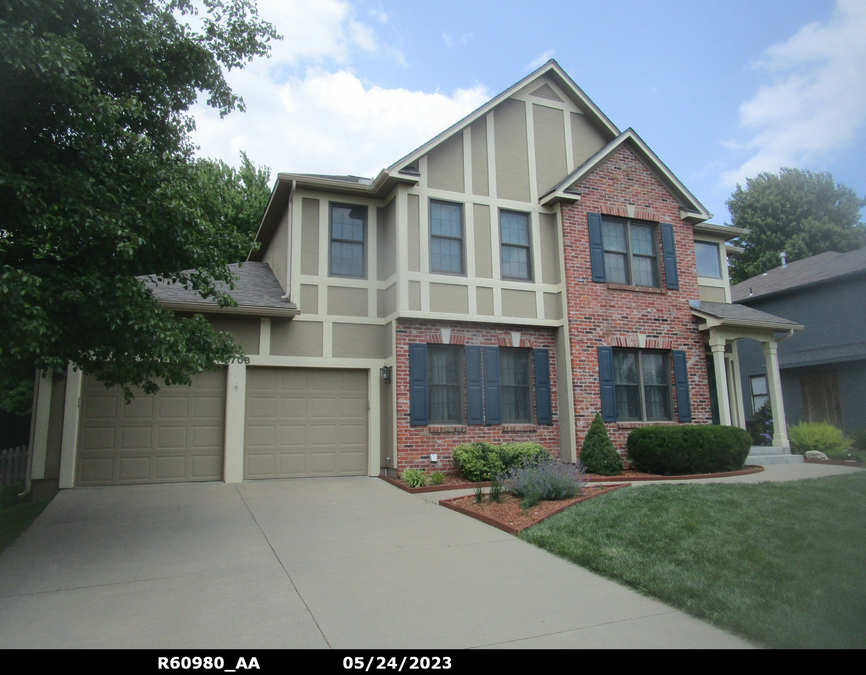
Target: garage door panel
260,466
174,435
261,436
259,407
135,438
99,438
310,414
170,468
141,407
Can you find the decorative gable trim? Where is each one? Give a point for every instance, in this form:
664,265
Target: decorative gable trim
692,210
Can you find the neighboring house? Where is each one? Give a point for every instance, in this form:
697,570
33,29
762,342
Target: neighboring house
823,368
528,267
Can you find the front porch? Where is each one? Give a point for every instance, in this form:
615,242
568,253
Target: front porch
723,325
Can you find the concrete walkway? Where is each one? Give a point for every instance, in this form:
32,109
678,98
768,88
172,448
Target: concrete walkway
341,563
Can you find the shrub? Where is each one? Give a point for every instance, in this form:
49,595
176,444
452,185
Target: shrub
478,461
819,436
515,454
484,461
761,427
436,478
597,453
549,480
676,450
414,478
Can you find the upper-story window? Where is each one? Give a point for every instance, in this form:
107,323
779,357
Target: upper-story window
515,245
348,252
446,238
709,260
630,253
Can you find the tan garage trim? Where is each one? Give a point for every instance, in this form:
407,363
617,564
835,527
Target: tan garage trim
173,436
305,422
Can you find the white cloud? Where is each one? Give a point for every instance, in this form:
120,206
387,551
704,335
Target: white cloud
329,122
378,14
816,105
540,60
448,40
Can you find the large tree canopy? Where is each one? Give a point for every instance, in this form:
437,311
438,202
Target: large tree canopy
799,212
98,182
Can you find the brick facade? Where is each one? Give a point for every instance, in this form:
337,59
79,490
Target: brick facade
417,441
613,315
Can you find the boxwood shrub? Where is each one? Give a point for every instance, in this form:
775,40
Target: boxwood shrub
484,461
678,450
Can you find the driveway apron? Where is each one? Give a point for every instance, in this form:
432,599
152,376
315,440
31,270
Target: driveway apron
309,563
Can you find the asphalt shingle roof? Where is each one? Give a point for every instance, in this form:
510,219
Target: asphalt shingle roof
256,286
740,313
814,270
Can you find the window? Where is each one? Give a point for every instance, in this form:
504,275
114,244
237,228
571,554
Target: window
760,394
709,262
641,385
348,241
514,238
630,253
515,398
456,385
445,384
446,238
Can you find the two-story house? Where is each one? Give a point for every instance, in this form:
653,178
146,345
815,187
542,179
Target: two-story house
823,368
526,268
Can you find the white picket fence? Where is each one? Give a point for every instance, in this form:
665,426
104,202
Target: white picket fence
13,465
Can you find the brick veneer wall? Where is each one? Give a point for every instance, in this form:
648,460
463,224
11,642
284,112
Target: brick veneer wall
415,442
612,315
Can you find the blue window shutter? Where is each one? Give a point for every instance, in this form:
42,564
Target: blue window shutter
474,386
681,380
596,247
492,412
669,251
418,385
544,407
605,377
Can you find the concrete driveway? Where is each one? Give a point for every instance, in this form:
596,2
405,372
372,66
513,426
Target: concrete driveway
340,563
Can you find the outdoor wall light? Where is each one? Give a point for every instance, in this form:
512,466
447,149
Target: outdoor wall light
386,374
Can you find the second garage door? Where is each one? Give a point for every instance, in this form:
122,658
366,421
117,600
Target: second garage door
305,422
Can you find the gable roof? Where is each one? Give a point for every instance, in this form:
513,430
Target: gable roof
553,70
818,269
694,211
724,314
257,291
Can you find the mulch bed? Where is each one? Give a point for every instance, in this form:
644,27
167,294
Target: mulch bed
835,462
454,482
507,514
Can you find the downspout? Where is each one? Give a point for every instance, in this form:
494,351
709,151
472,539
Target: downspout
790,333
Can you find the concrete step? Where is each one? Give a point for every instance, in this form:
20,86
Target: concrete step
765,455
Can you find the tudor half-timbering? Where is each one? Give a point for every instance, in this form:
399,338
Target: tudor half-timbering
530,266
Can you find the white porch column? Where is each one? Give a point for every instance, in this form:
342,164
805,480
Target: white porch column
717,346
774,386
236,394
737,392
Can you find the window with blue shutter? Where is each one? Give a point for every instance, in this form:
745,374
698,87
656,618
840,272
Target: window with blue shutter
681,381
543,404
669,251
492,414
605,378
474,386
418,384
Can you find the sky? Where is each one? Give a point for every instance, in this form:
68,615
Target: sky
720,90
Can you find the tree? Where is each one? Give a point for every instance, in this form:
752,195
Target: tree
237,197
98,184
799,212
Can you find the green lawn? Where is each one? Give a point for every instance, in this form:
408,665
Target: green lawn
16,515
781,564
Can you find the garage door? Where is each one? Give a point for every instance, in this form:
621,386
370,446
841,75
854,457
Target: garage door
176,435
305,422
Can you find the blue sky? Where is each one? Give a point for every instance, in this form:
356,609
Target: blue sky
719,90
